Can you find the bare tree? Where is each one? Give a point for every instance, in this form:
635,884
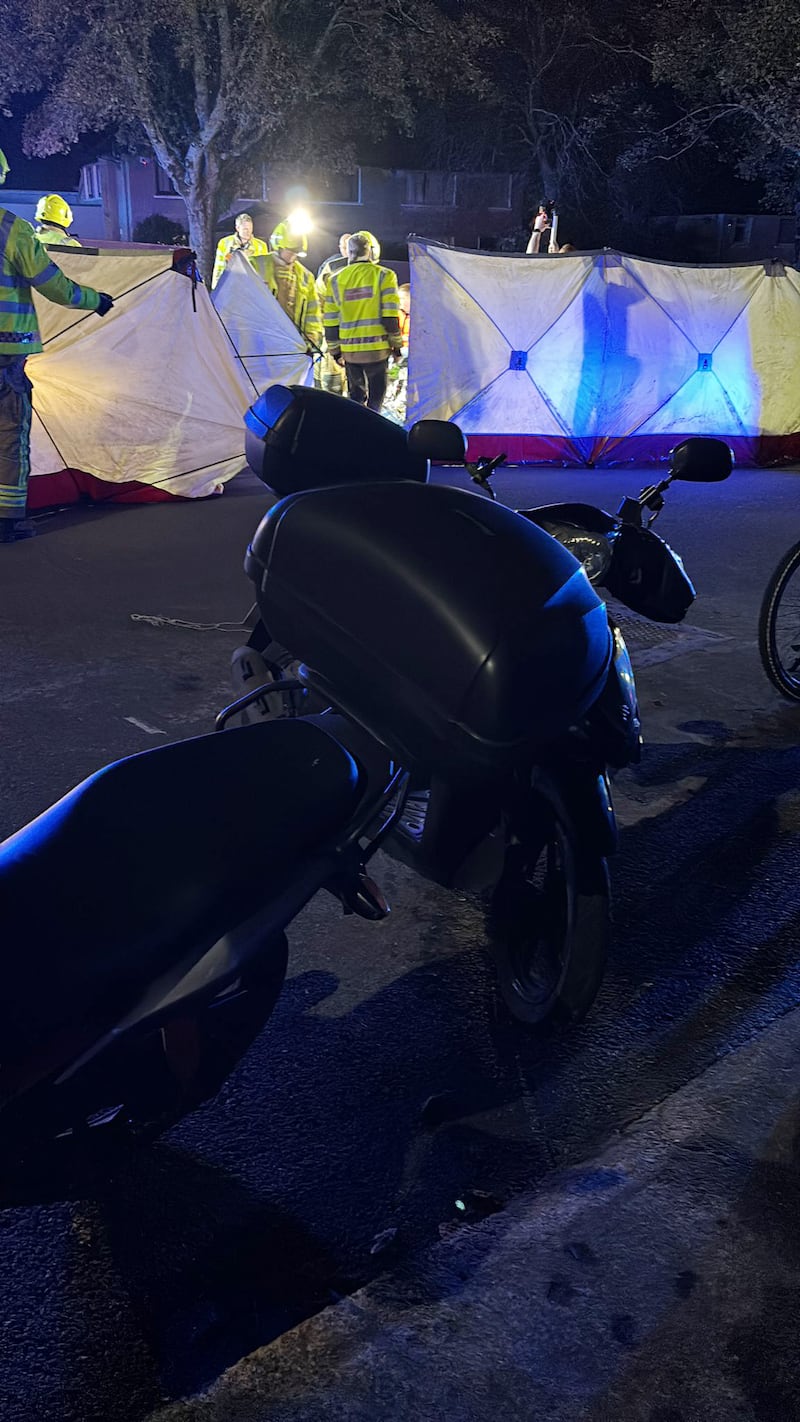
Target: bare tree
566,89
210,84
567,92
736,67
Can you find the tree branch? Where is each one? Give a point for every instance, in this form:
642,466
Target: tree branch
201,93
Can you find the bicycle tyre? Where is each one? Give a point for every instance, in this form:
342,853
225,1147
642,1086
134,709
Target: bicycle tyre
784,678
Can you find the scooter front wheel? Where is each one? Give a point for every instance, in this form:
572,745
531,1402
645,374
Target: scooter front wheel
550,923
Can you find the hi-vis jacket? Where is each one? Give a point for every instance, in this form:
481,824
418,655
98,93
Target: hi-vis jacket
25,264
50,236
227,245
362,307
303,307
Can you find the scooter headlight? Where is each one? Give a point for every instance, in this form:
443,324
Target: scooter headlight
590,549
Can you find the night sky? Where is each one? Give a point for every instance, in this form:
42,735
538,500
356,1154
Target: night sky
61,172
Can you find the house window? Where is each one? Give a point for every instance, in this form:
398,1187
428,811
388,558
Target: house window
428,189
289,187
337,187
164,184
740,230
90,182
499,190
483,190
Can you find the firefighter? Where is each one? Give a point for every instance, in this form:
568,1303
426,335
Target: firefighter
53,221
25,265
336,261
362,326
329,374
242,240
291,283
396,402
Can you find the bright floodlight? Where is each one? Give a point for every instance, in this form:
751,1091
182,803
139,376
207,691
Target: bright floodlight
300,222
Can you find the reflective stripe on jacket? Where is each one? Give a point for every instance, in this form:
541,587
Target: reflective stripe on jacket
256,247
362,307
27,264
306,315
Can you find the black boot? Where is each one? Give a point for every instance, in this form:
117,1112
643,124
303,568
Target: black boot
12,530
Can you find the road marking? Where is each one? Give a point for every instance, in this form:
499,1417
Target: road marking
143,726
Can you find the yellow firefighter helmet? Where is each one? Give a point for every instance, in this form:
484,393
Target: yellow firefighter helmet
54,209
291,233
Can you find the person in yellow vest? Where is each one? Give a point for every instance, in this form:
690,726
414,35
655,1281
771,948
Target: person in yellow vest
395,404
292,284
53,221
25,265
362,326
242,240
336,261
329,374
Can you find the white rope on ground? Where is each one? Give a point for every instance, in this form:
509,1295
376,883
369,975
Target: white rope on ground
159,620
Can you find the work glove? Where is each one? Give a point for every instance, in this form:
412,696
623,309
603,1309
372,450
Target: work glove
335,351
105,303
397,352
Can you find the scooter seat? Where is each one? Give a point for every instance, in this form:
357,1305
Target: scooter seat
152,854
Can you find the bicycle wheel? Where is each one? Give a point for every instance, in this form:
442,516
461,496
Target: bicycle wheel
779,626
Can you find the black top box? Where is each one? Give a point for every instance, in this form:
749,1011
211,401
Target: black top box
457,633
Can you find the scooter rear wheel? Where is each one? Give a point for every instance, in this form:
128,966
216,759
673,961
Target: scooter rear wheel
550,924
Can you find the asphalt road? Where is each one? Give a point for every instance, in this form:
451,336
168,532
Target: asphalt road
266,1203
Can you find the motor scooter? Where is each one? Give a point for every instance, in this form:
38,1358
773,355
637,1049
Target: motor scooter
362,573
455,648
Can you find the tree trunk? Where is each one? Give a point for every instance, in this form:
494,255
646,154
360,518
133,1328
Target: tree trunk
201,213
542,175
201,198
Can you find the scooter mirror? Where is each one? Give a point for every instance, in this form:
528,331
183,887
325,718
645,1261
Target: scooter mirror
701,461
439,440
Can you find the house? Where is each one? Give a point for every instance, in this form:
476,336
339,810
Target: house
87,213
128,189
727,237
460,209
